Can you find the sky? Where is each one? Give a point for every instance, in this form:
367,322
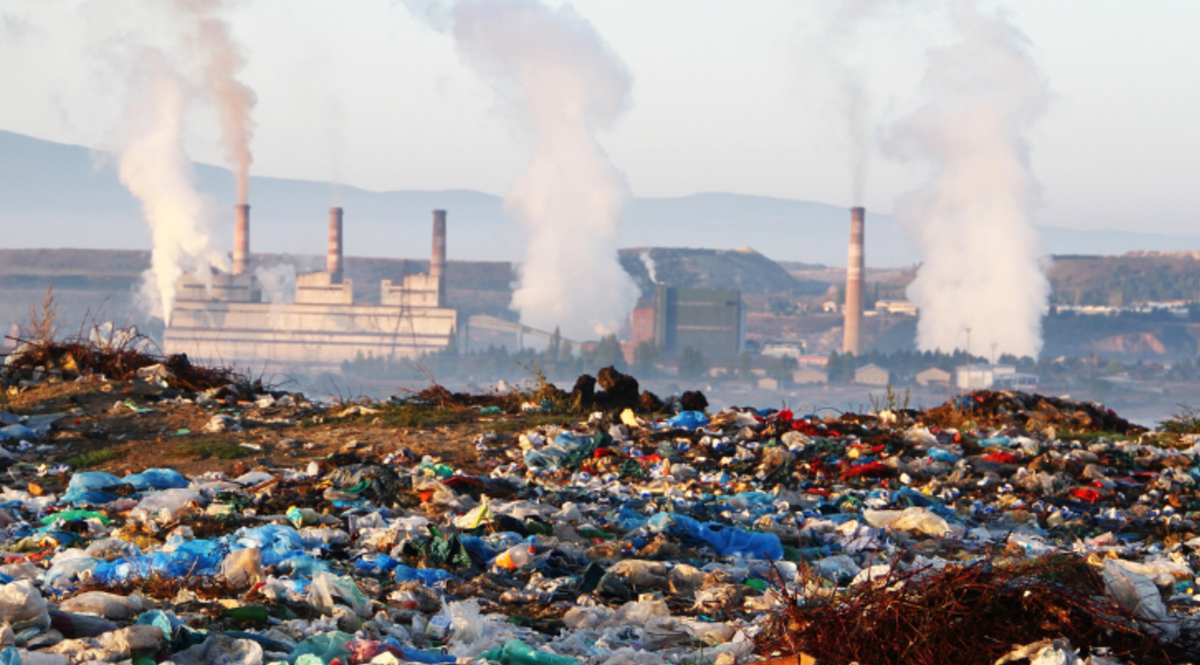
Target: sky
728,96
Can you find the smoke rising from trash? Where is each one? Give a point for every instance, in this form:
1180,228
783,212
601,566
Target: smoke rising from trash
555,74
981,282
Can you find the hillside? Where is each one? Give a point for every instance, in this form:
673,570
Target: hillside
1122,280
53,195
743,269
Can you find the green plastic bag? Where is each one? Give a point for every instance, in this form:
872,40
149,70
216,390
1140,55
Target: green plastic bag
516,652
324,647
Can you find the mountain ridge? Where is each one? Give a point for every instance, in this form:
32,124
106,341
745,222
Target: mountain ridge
51,191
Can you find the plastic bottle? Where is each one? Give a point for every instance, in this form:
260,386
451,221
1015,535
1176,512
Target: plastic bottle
515,557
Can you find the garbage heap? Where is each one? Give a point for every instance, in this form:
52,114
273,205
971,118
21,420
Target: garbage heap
999,527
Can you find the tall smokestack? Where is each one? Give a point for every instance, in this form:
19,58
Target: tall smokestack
437,262
241,238
855,271
333,260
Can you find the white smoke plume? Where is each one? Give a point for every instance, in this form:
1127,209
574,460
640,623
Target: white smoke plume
562,81
221,61
981,278
198,54
651,269
278,283
155,168
854,100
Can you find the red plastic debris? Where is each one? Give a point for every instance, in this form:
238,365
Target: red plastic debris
869,470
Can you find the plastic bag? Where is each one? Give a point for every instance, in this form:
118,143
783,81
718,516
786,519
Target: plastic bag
516,652
725,540
641,574
327,586
688,420
915,519
22,607
221,649
243,567
103,604
1138,594
156,479
174,500
325,647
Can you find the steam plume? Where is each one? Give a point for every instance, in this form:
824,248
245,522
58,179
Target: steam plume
222,62
564,83
157,171
852,89
651,269
981,266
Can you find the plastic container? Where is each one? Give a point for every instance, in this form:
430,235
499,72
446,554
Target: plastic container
515,557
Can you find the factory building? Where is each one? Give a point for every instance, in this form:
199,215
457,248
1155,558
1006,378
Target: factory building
221,318
711,321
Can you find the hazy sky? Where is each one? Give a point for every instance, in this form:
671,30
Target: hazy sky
728,95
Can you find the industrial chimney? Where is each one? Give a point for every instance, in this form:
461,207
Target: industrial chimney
437,263
333,260
241,238
855,273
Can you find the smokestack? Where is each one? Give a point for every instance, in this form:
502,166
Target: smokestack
437,263
241,238
333,260
855,272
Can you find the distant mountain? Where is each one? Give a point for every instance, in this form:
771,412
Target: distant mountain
55,195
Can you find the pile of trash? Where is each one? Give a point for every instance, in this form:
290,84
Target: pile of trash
999,528
108,353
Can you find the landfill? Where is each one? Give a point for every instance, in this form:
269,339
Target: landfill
604,526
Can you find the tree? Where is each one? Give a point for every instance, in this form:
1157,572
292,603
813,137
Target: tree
691,364
644,355
553,351
782,368
608,352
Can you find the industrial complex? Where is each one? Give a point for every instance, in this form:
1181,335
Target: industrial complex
221,317
225,318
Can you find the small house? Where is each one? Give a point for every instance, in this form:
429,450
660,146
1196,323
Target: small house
933,376
809,376
872,375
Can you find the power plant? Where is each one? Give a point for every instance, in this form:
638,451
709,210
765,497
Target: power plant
222,318
855,275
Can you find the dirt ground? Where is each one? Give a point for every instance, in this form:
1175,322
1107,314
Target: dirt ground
103,431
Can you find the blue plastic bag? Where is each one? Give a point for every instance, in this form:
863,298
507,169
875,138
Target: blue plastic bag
276,541
688,420
156,479
426,576
725,540
89,487
941,455
16,433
